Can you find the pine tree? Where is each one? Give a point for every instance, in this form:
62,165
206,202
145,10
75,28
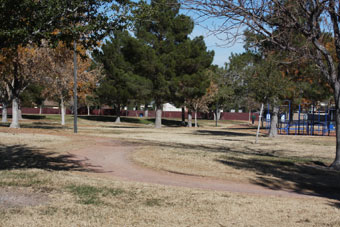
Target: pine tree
191,80
162,31
120,84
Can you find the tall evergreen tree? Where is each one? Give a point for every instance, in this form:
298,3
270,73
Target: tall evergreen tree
191,80
119,84
163,30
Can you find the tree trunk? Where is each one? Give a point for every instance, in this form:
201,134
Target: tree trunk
158,121
19,114
88,110
15,120
183,116
273,122
118,114
195,119
336,162
19,110
4,113
146,111
216,118
249,117
40,109
63,111
189,118
218,114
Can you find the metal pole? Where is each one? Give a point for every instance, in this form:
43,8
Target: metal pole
319,120
289,118
313,122
75,99
326,120
299,119
216,114
258,126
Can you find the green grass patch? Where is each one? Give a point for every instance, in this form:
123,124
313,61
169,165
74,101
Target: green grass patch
112,191
92,195
18,175
49,211
153,202
21,179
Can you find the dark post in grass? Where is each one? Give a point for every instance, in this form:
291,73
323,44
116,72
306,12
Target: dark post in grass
75,109
216,114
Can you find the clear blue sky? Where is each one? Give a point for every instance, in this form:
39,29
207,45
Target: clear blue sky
222,51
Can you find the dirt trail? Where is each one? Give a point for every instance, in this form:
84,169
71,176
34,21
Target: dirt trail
111,157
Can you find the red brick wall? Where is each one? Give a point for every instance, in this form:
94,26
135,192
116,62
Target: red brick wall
134,113
237,116
36,111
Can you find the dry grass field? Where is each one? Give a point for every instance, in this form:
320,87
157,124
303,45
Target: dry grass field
41,185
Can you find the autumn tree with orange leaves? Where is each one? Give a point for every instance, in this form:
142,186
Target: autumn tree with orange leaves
28,23
59,75
20,67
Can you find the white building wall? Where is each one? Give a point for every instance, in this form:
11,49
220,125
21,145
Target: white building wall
170,107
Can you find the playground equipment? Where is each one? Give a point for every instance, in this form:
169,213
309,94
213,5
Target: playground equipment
310,119
283,115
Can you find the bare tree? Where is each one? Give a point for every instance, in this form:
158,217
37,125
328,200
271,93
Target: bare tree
273,20
202,103
59,75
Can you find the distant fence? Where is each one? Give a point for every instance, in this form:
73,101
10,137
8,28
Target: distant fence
138,113
37,111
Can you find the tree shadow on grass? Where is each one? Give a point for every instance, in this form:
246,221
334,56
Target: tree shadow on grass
4,125
98,118
113,119
303,175
134,120
37,124
246,127
222,133
207,148
34,117
286,173
29,116
337,205
25,157
43,125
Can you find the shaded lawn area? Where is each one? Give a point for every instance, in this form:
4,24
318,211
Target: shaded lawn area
300,175
168,122
222,133
25,157
275,169
134,120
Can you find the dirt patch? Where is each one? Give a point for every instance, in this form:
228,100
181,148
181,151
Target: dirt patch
10,198
111,157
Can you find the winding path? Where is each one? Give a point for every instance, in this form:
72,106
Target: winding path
111,157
